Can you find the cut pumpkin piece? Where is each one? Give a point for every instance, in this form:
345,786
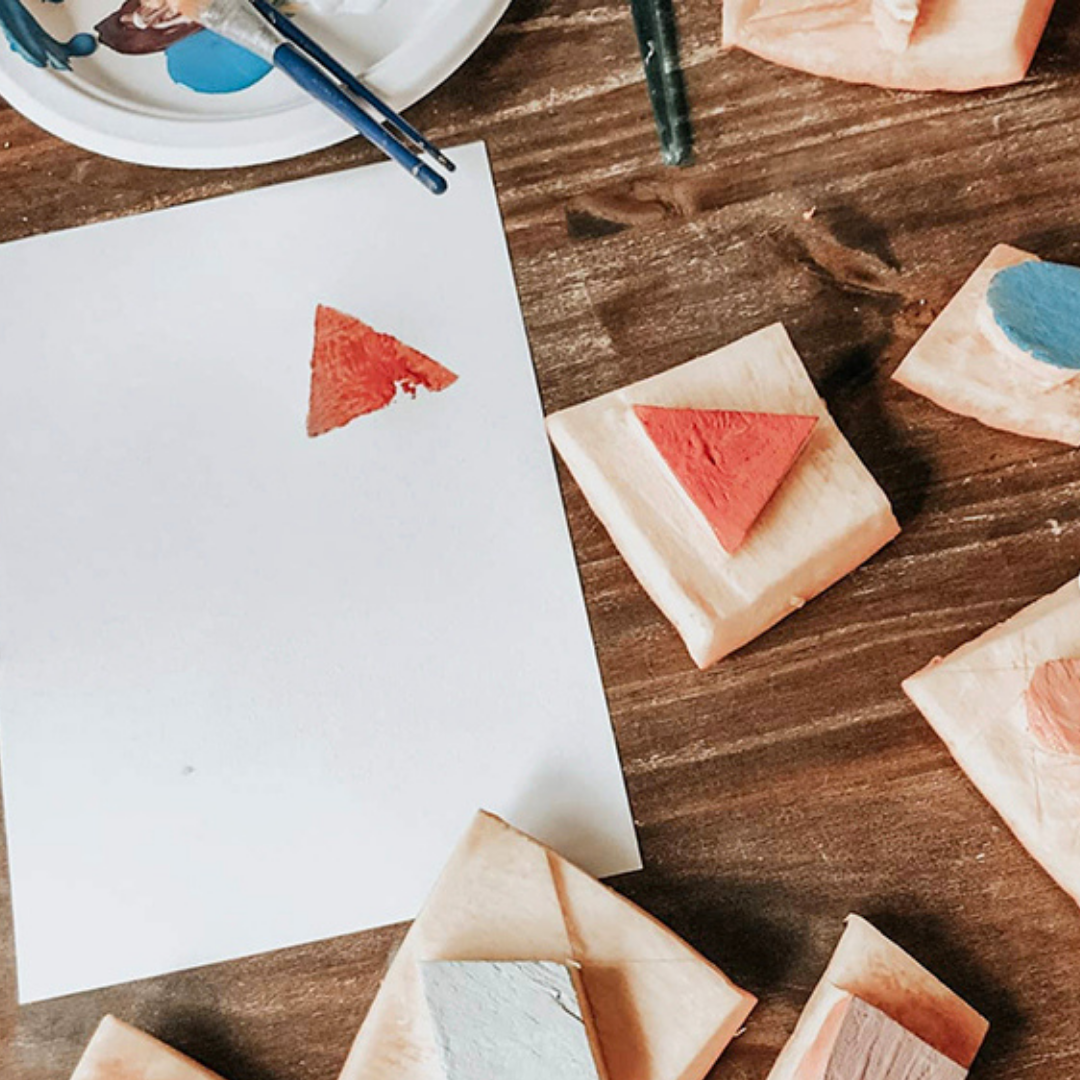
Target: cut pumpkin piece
730,464
828,516
981,359
1005,706
926,45
356,370
661,1011
119,1051
874,1008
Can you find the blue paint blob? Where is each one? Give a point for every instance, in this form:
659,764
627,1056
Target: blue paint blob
27,38
1037,306
209,64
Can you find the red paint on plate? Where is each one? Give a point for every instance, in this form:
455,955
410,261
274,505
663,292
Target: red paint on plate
729,463
1053,706
356,370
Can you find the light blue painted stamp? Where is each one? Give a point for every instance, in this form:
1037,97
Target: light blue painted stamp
1036,305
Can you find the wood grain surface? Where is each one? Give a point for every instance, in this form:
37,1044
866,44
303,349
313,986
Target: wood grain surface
792,783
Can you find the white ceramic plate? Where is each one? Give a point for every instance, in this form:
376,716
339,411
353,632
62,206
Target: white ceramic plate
131,106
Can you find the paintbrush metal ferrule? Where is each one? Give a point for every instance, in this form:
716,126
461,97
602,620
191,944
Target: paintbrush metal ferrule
238,21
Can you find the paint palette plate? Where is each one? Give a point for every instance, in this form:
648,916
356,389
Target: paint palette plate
195,101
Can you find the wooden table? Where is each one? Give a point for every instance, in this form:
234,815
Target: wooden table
792,783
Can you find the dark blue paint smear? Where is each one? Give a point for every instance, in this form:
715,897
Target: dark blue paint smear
209,64
32,43
1037,307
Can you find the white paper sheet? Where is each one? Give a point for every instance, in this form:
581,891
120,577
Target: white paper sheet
253,685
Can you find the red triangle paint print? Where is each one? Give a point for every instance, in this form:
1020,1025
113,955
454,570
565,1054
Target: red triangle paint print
356,370
729,463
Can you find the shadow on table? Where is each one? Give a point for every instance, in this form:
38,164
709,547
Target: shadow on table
761,936
893,458
1059,244
862,319
1059,53
733,924
205,1036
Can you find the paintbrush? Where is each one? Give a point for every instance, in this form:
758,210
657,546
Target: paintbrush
242,24
654,21
288,28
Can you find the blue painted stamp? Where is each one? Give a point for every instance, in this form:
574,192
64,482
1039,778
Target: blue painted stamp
1036,305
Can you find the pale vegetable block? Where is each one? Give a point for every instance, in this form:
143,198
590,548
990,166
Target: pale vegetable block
827,517
119,1051
526,1019
966,365
869,968
978,701
934,45
662,1012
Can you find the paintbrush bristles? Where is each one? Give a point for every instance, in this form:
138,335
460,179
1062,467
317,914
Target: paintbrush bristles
237,21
